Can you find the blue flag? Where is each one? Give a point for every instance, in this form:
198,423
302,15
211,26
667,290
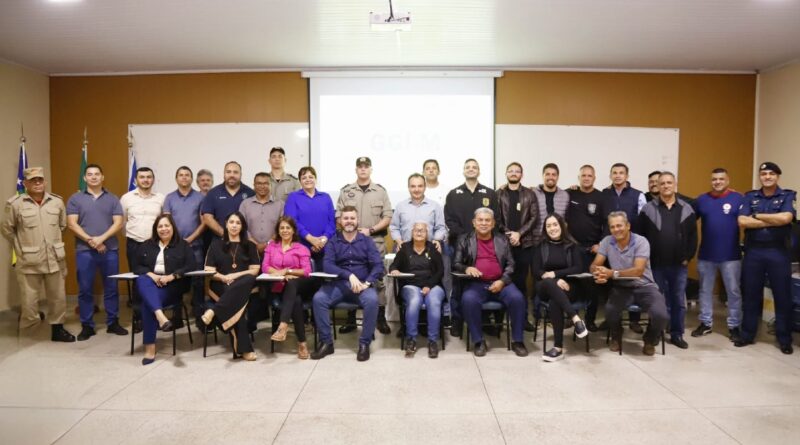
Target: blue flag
132,181
23,164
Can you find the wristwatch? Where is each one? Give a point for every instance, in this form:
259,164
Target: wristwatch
615,274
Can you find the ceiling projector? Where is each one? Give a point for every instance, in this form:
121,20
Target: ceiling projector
390,22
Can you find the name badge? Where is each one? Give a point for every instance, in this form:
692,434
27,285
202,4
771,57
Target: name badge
519,206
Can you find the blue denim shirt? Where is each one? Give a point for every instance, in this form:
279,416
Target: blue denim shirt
360,258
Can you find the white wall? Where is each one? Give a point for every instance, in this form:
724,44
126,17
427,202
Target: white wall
24,97
778,123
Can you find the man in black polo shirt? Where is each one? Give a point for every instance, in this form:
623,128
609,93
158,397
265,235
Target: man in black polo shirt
225,198
585,219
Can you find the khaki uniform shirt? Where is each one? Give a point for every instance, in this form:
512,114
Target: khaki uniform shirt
372,205
140,214
279,190
35,232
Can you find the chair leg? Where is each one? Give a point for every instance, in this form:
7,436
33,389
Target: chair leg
133,323
663,344
188,323
535,328
174,342
467,336
333,323
205,338
544,330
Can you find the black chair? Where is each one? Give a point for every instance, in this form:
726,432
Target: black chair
543,313
136,317
637,309
494,306
423,321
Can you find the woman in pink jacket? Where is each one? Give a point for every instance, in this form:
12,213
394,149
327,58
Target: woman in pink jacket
284,256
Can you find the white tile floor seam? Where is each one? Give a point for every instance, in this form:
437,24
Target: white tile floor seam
488,396
299,393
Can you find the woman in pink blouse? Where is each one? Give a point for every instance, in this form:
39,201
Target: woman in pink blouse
284,256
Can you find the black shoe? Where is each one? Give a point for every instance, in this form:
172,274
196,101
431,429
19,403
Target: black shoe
115,328
678,341
347,328
701,330
636,327
528,326
323,349
447,322
58,333
137,326
591,326
146,361
480,349
383,327
433,349
198,322
363,353
86,332
519,348
580,329
734,334
167,326
457,329
787,349
742,343
553,355
411,347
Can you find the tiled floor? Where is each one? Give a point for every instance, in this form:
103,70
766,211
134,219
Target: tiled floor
95,392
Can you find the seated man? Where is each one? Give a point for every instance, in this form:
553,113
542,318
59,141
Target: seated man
628,254
487,259
354,259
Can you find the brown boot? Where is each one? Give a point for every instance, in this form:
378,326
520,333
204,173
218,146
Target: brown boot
280,334
648,349
302,351
614,345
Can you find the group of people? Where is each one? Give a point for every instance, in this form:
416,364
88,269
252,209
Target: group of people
454,250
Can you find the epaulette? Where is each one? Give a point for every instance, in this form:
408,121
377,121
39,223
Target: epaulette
378,185
291,176
13,198
56,195
345,186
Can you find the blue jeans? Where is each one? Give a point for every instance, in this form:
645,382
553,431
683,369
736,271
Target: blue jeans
731,271
412,296
331,294
671,281
477,292
153,299
87,263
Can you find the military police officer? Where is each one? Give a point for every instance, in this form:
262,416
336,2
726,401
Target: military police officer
374,215
280,182
33,223
766,215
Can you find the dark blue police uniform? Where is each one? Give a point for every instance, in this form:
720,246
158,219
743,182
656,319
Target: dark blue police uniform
767,254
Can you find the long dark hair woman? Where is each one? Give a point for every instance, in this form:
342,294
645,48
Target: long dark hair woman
554,259
161,262
235,263
286,257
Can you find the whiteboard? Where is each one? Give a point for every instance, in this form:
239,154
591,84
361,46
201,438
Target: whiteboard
571,146
165,147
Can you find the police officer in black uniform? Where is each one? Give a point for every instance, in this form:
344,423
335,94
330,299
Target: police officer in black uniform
767,215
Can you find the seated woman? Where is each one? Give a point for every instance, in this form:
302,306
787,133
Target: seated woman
313,213
235,263
554,259
161,262
421,258
286,257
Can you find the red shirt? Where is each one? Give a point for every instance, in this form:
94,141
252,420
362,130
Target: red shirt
486,261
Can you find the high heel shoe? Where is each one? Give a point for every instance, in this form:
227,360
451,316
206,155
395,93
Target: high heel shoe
280,334
167,326
207,317
249,356
146,361
302,351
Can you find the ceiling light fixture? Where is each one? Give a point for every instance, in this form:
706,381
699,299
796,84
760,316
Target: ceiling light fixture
390,22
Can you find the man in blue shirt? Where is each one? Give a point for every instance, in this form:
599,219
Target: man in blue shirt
184,206
225,198
95,216
767,215
718,211
357,264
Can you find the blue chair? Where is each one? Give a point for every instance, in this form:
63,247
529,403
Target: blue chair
637,309
542,312
136,317
422,319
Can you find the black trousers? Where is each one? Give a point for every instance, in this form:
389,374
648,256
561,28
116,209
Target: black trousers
560,305
292,297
